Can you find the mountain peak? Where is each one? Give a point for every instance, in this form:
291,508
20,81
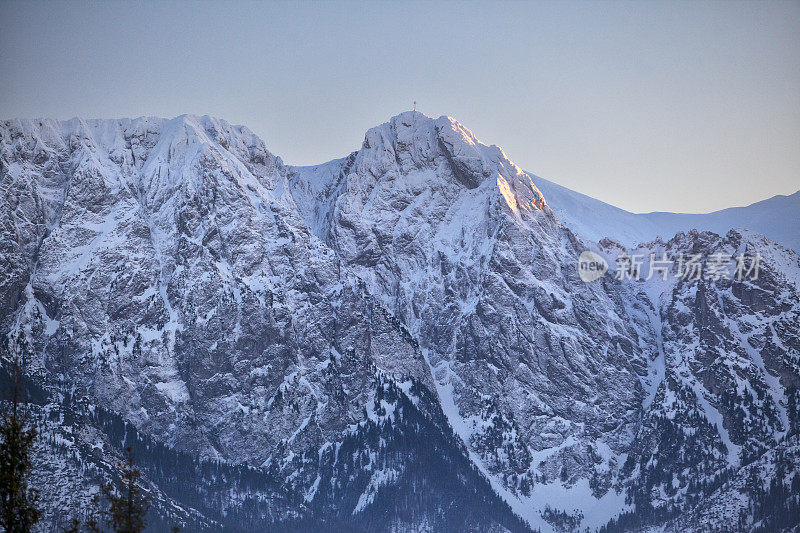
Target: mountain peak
413,140
415,121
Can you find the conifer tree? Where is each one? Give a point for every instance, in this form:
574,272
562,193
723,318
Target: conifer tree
129,505
74,526
94,516
18,502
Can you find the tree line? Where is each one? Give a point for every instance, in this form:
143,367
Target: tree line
121,508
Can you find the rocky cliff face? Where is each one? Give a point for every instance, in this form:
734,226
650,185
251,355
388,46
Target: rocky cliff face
415,304
535,367
727,395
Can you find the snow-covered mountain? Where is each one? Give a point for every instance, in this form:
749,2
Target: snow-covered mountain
777,218
395,340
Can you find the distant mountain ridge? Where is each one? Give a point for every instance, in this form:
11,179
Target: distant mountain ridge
777,218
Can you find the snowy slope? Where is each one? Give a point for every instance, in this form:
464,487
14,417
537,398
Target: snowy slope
777,218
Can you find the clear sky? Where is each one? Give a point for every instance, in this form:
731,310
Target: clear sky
675,106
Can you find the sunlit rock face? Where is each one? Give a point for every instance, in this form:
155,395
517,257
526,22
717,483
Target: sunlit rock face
408,316
161,271
483,274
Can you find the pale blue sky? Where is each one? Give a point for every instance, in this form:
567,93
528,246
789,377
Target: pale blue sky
679,106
